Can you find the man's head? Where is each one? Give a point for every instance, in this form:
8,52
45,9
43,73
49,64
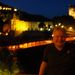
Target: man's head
59,36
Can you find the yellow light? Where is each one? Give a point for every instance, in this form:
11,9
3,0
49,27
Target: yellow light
0,7
62,26
37,43
0,33
20,46
56,25
3,8
59,24
21,25
6,34
33,44
72,12
13,48
15,9
70,29
25,45
41,29
29,44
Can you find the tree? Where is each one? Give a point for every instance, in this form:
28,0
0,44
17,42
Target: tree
41,25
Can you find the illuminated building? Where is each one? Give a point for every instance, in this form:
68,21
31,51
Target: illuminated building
22,21
72,11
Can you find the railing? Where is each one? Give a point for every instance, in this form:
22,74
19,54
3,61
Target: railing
33,44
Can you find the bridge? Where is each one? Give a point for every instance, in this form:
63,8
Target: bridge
33,44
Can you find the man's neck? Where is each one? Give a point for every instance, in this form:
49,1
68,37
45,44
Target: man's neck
59,48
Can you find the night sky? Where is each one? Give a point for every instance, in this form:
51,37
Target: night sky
47,8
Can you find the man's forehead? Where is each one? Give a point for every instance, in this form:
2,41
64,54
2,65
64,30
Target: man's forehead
58,29
59,33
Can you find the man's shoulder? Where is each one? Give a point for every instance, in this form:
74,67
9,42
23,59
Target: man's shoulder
50,45
70,45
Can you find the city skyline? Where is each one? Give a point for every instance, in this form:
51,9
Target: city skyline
47,8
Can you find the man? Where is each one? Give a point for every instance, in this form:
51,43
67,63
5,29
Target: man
59,56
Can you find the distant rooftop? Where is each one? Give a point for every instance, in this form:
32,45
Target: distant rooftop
72,6
27,16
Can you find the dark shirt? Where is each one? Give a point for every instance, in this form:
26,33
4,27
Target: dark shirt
60,62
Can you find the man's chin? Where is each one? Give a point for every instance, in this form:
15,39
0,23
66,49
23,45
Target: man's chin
60,45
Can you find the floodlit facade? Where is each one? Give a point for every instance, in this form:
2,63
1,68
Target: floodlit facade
18,25
72,11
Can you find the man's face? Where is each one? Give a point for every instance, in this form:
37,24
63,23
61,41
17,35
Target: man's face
59,38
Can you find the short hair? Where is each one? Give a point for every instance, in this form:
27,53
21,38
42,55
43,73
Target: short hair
60,29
